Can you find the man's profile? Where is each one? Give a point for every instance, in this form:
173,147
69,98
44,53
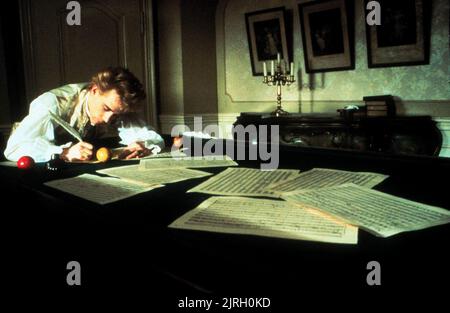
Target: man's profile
110,94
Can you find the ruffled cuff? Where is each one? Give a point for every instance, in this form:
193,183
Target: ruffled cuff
140,134
155,148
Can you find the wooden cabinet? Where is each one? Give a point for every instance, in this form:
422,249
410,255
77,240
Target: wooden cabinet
395,135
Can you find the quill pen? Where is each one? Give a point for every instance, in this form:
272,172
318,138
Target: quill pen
65,125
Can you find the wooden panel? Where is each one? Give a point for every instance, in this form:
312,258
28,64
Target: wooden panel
100,42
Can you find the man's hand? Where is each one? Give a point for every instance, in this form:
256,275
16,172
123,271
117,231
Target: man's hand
81,151
135,150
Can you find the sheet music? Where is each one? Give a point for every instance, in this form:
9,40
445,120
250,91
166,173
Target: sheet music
244,182
98,189
323,177
150,177
191,162
261,217
382,214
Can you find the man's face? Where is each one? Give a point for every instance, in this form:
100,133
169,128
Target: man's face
103,105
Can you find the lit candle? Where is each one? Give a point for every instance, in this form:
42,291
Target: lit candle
265,69
284,67
272,68
292,68
278,58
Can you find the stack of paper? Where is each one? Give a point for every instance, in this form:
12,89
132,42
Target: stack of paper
320,204
340,197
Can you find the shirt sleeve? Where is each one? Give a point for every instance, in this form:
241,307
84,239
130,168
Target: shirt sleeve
34,136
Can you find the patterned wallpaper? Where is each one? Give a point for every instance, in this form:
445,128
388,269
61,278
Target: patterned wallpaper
426,82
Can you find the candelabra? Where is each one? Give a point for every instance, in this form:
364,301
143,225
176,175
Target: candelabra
279,76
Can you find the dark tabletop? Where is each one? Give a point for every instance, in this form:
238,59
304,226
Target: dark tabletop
126,246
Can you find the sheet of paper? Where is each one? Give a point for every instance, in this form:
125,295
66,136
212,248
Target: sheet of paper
98,189
244,182
150,177
262,217
323,177
380,213
190,162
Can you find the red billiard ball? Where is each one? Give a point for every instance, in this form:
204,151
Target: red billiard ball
25,162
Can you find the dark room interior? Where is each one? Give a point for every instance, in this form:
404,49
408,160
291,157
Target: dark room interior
335,114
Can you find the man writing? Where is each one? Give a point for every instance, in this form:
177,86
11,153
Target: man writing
111,94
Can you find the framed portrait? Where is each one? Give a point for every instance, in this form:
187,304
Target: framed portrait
266,32
328,35
403,38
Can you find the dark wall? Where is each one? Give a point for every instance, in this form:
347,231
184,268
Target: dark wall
12,73
4,97
198,18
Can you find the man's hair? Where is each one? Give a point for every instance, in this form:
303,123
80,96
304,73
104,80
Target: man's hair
128,87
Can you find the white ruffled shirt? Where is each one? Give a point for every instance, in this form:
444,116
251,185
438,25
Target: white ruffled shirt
35,137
